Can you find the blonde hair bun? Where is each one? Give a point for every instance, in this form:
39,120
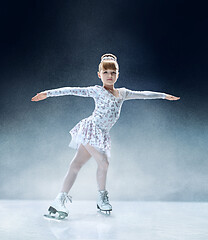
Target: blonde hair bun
108,61
108,56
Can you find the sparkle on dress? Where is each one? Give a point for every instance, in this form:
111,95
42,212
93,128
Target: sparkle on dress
95,128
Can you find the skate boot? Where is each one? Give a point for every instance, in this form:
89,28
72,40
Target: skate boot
103,202
58,207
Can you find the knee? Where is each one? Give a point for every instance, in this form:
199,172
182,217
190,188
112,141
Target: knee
103,164
75,167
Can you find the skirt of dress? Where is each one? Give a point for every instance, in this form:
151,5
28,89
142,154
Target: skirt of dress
85,132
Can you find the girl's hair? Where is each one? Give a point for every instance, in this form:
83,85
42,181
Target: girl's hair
108,61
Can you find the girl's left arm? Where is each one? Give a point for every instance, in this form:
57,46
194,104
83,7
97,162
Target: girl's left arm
147,95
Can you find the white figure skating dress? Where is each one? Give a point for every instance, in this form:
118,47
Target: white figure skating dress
95,128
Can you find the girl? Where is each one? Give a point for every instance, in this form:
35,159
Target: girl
91,135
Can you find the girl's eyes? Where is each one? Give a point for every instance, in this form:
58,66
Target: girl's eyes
112,72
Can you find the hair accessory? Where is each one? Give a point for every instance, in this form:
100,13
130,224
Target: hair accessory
108,58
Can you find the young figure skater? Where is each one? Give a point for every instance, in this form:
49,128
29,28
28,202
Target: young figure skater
91,135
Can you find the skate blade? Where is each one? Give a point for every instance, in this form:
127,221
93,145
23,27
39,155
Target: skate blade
53,214
104,212
49,216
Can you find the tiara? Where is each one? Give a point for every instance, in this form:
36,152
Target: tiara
108,58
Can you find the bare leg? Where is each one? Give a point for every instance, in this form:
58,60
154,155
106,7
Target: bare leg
102,162
81,157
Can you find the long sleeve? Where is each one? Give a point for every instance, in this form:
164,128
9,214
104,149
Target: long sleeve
77,91
129,94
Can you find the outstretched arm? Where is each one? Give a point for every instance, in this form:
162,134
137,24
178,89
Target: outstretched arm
77,91
129,94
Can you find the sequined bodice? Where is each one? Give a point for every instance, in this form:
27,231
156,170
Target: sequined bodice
107,109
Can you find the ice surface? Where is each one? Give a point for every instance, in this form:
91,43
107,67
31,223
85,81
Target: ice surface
21,220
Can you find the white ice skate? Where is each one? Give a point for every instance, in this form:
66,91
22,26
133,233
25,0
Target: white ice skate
58,207
103,202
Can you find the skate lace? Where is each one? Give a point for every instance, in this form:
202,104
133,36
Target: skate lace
65,198
68,198
105,197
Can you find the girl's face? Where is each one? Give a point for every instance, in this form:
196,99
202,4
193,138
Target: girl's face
109,76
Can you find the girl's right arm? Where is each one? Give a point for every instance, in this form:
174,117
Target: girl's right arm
77,91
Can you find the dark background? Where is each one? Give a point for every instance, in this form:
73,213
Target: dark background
160,46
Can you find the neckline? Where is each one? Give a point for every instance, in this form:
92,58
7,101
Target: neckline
110,92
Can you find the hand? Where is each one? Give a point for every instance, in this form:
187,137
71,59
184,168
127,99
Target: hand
39,96
170,97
